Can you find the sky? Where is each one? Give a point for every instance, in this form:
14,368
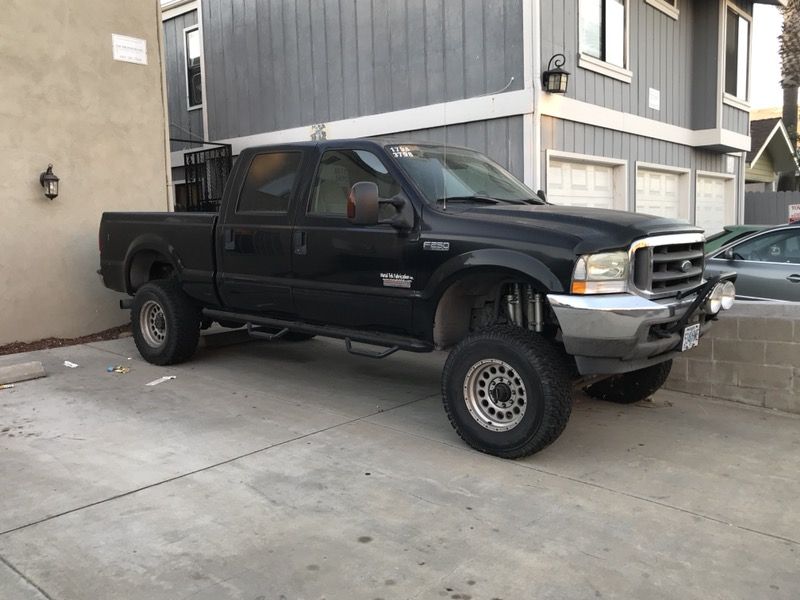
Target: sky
765,88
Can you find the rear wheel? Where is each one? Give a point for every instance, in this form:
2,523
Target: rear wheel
506,391
165,322
631,387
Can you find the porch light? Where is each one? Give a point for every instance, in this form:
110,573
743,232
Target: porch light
555,79
49,182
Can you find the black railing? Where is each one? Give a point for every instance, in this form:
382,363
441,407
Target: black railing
206,172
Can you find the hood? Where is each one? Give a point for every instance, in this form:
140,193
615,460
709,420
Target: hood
595,229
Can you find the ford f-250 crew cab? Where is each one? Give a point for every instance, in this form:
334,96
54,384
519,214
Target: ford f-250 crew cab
408,246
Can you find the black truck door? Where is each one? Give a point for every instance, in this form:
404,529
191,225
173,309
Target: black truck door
254,236
346,274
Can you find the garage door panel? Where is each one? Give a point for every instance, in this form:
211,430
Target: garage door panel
657,193
712,204
573,183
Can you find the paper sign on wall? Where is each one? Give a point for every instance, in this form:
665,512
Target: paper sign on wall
654,99
794,213
129,49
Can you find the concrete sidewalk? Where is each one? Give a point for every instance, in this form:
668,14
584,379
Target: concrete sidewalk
296,471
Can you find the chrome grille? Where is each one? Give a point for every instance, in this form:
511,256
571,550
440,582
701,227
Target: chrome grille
666,265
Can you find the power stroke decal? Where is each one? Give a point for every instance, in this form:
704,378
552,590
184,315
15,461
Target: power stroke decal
397,280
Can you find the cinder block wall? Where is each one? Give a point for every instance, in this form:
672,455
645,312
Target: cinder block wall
751,355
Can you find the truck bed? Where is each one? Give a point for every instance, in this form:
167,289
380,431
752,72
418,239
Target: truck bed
187,238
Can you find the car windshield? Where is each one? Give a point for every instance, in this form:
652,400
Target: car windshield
459,175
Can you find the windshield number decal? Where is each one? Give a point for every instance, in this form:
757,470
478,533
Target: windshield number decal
402,151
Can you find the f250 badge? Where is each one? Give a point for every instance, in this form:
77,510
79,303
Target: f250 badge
436,246
397,280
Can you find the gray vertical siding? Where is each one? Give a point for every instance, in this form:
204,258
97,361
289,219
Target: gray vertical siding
704,64
285,63
677,57
586,139
735,119
500,139
183,123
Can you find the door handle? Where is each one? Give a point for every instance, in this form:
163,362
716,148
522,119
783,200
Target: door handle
230,241
794,278
299,243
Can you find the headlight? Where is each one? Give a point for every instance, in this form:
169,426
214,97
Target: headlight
720,298
605,273
713,303
728,295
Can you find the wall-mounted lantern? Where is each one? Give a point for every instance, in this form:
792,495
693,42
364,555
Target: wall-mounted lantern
555,79
49,182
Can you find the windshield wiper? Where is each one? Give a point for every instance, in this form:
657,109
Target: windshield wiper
479,199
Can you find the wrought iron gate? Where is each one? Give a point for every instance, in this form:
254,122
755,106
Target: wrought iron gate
206,172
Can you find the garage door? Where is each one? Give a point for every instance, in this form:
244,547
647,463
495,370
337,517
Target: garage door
657,193
711,208
580,184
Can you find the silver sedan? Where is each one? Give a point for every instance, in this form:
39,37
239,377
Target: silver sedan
767,263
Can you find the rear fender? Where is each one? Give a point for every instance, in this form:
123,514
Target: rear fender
149,242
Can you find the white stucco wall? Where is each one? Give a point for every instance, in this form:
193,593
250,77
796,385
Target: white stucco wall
63,100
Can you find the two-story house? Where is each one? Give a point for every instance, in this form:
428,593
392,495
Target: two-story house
655,117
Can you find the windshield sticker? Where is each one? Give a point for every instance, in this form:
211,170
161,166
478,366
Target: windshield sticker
397,280
403,151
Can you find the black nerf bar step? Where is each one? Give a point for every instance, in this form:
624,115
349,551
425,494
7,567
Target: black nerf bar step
386,340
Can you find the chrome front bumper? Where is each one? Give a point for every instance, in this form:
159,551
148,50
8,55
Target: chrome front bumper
617,333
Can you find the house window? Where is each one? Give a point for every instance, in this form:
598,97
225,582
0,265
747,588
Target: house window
194,77
603,30
737,54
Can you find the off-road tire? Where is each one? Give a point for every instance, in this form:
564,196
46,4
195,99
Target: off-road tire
542,372
631,387
181,329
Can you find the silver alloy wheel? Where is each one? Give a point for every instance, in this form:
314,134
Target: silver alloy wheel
153,324
495,394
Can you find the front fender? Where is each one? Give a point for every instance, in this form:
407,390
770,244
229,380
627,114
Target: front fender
492,258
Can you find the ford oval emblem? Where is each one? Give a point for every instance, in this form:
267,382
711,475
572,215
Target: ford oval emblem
686,266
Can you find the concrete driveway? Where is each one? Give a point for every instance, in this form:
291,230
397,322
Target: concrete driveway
296,471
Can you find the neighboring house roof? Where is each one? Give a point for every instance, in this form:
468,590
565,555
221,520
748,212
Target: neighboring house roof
771,135
775,112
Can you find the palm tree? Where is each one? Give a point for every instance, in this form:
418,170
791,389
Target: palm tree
790,61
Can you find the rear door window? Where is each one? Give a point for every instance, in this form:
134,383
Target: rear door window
270,182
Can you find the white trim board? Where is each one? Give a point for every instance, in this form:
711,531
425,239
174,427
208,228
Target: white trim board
507,104
176,9
665,7
570,109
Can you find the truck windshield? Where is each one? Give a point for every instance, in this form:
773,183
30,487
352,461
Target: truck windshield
459,175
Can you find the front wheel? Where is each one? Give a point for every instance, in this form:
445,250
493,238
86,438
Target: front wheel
165,323
631,387
507,391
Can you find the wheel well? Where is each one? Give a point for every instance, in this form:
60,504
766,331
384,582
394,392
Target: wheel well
471,303
147,266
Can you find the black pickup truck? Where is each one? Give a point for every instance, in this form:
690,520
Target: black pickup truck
407,246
